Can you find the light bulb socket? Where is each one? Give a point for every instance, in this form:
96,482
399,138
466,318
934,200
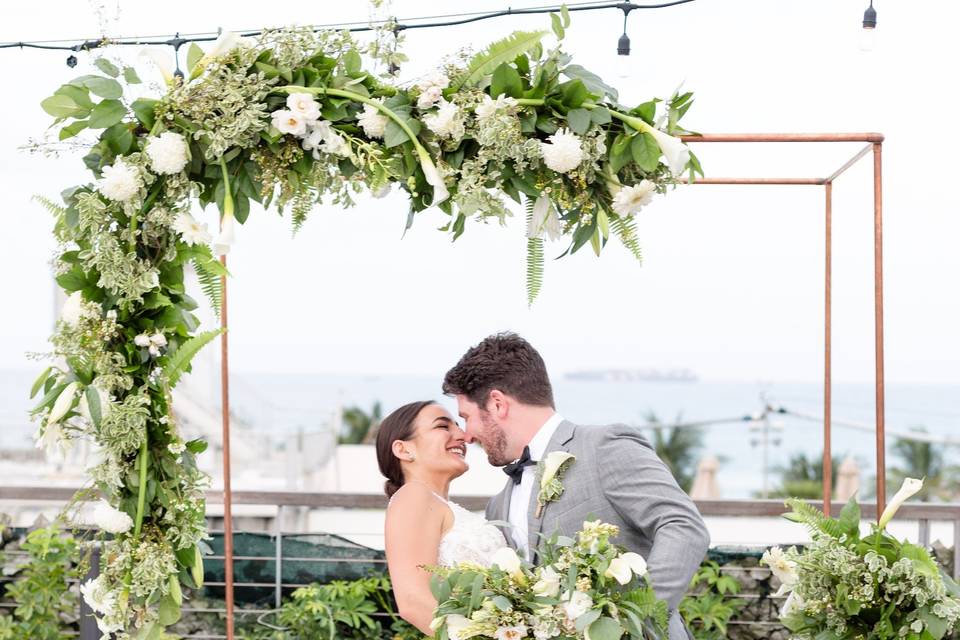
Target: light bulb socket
71,61
623,45
870,18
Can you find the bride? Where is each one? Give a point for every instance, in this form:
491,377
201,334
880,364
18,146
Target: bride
420,450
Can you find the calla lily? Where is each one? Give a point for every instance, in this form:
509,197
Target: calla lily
544,220
909,487
552,464
227,41
64,402
433,176
674,150
619,570
162,61
636,563
548,586
225,239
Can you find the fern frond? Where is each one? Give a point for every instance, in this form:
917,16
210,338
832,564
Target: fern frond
179,362
812,518
626,229
534,260
505,50
51,206
210,284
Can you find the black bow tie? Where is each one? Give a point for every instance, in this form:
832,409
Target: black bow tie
515,469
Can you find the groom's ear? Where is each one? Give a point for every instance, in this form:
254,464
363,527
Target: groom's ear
498,403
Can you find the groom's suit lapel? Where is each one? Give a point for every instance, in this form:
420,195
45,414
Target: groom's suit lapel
560,441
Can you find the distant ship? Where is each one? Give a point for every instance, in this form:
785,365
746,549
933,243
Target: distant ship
633,375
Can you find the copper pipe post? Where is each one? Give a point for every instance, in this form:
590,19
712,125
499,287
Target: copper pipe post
227,497
827,345
878,319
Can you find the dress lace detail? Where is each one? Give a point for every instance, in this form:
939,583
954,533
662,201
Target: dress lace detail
471,539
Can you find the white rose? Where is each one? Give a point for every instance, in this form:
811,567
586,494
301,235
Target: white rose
629,200
544,220
552,464
507,559
373,122
489,107
511,633
287,121
619,570
435,78
120,182
98,597
72,310
158,340
142,340
548,586
304,106
455,625
191,231
563,153
111,520
674,150
64,402
636,563
576,604
168,152
909,487
429,97
446,122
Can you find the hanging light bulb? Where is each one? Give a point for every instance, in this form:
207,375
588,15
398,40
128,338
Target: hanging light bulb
623,48
868,35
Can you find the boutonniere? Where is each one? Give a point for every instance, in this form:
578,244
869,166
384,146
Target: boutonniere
549,472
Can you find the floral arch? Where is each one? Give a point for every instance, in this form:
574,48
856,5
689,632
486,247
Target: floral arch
288,120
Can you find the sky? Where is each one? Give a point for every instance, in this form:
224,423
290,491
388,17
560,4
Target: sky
732,282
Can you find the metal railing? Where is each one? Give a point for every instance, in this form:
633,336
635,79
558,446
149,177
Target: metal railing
923,513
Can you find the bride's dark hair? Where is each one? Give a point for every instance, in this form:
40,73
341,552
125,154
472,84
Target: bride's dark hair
399,425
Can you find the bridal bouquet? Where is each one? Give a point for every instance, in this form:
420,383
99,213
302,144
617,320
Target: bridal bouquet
844,586
586,587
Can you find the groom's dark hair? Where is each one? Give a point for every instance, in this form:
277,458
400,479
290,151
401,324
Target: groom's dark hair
503,361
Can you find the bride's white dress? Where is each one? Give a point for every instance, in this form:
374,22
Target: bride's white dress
471,538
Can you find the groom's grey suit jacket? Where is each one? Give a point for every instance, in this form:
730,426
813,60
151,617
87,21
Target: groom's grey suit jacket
618,478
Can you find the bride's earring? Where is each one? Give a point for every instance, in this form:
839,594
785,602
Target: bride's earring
412,457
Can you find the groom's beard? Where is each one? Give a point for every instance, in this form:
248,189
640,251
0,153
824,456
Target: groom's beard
494,441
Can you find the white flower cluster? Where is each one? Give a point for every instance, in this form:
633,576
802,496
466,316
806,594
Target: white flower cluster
153,343
490,107
168,153
121,181
629,200
373,122
447,121
191,231
102,601
563,153
111,520
301,118
431,89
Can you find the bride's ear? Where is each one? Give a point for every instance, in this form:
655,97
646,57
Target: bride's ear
399,449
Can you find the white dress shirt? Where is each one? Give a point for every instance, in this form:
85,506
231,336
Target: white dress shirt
520,498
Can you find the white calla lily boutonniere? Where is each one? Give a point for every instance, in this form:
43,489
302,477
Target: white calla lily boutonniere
549,472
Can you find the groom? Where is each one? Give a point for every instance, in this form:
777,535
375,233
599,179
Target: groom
505,398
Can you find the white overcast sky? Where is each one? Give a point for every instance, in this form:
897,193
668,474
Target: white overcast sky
732,282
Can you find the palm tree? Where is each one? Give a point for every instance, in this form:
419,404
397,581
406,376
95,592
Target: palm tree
678,445
360,427
802,477
924,460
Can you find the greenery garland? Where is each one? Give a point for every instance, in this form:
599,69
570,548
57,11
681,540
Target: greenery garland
290,119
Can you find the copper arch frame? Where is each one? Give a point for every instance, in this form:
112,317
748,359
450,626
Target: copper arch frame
874,142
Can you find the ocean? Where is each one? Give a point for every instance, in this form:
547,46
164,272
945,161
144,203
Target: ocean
279,404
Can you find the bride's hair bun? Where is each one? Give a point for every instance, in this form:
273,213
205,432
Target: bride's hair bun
399,425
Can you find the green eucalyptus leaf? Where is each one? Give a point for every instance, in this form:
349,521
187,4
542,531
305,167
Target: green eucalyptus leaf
579,120
107,67
645,151
62,106
72,129
106,114
143,108
104,87
130,75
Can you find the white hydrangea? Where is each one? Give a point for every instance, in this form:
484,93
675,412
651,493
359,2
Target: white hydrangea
168,152
73,309
111,520
191,231
304,106
287,121
629,200
446,122
489,107
563,153
373,122
120,181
